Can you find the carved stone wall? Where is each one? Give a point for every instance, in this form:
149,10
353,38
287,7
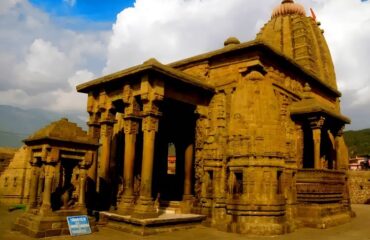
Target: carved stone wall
359,186
320,186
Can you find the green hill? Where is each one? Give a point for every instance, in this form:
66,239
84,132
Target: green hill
358,142
17,124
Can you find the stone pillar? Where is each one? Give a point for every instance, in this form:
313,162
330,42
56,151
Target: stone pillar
106,127
341,151
316,133
131,127
187,198
188,171
152,92
35,175
81,205
316,126
94,133
145,205
46,196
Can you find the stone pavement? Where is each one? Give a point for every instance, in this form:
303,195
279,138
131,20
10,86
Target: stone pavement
357,229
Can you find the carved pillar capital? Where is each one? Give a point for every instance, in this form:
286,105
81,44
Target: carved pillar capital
106,122
316,122
338,131
150,115
152,92
107,117
33,160
49,154
87,161
151,108
151,89
150,124
131,126
106,109
132,107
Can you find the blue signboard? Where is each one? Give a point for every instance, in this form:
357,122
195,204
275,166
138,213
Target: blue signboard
78,225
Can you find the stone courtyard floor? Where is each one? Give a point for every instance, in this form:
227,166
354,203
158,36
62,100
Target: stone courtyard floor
357,229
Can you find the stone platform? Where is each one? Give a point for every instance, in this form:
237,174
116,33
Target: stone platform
166,222
54,224
323,215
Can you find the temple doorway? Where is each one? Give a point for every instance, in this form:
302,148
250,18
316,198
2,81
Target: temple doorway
176,132
308,157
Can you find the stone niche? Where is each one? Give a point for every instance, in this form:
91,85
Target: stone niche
60,155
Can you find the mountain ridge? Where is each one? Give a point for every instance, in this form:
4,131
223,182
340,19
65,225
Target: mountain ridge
17,124
358,141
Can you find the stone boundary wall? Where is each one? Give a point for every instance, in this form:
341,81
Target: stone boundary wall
359,186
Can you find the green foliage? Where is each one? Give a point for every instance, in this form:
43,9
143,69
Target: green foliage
358,142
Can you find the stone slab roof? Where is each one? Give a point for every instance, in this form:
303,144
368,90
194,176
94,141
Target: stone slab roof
261,45
151,65
308,106
61,130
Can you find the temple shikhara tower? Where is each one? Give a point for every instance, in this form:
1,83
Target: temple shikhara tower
249,135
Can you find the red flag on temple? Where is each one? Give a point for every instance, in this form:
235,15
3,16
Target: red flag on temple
313,15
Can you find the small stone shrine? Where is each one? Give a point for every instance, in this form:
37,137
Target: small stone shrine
60,154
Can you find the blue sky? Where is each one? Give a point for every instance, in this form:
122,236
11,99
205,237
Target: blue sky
94,10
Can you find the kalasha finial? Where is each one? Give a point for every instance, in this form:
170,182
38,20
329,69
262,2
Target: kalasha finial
288,7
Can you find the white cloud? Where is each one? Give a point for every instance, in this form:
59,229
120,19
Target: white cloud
72,100
70,3
173,29
57,100
7,4
39,59
44,67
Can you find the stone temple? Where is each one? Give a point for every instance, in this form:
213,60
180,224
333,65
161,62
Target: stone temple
249,135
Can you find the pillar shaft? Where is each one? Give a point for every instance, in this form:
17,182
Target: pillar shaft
81,196
94,133
105,141
316,133
34,185
131,129
145,205
188,169
341,153
147,164
129,157
317,123
46,196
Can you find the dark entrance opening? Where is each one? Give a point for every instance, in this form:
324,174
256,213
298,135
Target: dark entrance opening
327,150
176,131
308,157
